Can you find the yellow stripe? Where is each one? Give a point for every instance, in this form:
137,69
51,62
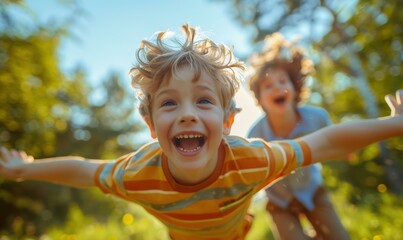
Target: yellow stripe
242,171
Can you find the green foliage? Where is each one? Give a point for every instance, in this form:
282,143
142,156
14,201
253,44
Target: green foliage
47,113
133,224
30,80
109,122
262,226
125,222
375,216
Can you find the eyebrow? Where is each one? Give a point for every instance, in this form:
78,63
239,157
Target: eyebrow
205,87
166,91
197,87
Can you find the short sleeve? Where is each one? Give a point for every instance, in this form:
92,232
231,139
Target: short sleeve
285,156
109,176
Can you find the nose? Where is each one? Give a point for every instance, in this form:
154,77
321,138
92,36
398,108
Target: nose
188,114
279,87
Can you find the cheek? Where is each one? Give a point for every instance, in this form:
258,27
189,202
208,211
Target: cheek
162,121
266,91
265,96
291,91
215,121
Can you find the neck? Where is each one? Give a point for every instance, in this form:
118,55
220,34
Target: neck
192,177
282,124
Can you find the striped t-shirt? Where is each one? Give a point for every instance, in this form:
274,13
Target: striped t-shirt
216,208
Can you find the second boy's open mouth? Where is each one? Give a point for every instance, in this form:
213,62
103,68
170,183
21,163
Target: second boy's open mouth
189,142
280,100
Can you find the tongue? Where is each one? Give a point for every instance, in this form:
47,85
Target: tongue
189,143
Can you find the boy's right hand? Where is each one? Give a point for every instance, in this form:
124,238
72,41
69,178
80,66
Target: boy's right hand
11,162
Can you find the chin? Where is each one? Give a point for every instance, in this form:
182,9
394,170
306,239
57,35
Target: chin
194,165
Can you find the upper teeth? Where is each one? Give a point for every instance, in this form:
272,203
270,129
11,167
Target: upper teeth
189,136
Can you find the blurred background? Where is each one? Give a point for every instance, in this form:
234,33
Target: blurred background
64,90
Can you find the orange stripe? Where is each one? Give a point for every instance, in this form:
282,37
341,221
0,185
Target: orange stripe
147,185
272,163
149,172
272,169
292,159
307,153
248,152
239,177
205,216
244,163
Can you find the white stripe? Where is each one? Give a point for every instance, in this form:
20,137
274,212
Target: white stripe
152,191
243,171
268,170
282,153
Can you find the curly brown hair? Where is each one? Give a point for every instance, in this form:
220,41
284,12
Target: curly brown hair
159,60
279,54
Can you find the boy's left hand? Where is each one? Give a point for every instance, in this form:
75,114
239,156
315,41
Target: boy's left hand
395,103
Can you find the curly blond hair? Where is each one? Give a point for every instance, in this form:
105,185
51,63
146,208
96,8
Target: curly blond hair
161,59
278,53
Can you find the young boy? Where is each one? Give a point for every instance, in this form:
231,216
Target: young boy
277,82
196,179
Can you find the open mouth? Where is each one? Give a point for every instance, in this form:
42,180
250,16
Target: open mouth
280,100
189,142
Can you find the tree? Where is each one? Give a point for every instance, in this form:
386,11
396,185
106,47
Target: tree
46,112
108,122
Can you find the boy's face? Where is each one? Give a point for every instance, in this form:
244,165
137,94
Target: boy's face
277,92
188,120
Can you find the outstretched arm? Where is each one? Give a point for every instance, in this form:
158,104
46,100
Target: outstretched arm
70,171
336,141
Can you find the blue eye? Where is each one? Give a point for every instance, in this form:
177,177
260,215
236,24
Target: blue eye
204,101
168,104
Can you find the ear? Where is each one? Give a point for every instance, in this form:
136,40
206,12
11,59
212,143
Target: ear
150,125
228,123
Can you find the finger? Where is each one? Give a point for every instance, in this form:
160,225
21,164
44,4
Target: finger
399,96
5,153
26,157
23,155
391,101
15,155
1,154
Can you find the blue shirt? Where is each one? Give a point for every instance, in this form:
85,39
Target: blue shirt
302,183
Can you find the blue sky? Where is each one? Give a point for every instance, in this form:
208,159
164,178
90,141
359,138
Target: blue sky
109,32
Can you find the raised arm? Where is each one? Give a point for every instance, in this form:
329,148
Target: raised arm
70,171
336,141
